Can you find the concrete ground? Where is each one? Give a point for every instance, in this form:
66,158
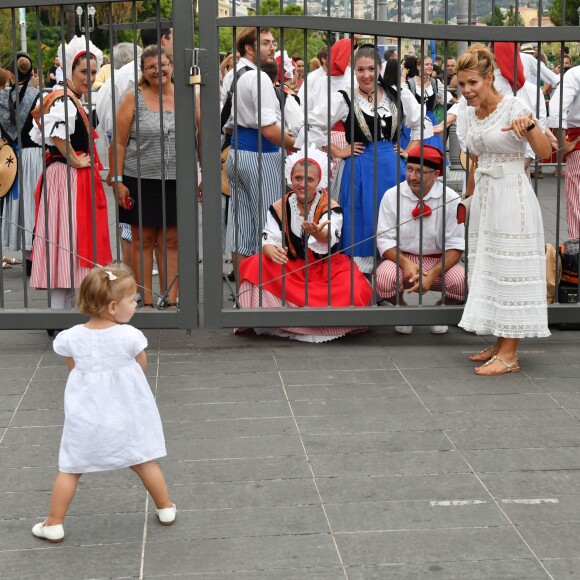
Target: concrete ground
377,456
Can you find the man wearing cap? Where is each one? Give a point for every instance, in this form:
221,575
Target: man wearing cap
423,202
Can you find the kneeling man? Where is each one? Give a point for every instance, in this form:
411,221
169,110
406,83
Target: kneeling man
439,223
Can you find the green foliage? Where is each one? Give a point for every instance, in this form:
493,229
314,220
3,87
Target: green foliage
295,41
149,8
499,18
571,15
511,17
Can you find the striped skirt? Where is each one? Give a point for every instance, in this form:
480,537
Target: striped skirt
56,228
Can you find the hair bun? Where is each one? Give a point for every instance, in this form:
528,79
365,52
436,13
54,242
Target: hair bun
24,65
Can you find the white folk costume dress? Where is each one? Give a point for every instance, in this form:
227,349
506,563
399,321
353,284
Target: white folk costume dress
283,229
507,263
111,419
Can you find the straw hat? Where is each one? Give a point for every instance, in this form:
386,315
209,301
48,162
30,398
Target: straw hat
8,167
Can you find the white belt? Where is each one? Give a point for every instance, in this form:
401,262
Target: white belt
499,170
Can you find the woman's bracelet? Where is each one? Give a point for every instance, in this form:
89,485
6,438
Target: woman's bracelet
117,178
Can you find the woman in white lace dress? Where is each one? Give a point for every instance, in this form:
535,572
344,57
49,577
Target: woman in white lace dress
507,271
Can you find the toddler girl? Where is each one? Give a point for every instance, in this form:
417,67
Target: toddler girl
111,419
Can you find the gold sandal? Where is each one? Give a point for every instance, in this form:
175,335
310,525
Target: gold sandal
490,350
509,368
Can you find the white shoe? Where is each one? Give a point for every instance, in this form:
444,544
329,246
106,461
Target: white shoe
167,515
155,272
439,329
403,329
53,534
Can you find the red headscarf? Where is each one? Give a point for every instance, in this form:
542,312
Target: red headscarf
504,55
339,56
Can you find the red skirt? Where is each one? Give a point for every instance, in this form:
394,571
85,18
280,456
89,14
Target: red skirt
294,274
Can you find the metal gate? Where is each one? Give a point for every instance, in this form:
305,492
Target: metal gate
213,303
27,309
218,312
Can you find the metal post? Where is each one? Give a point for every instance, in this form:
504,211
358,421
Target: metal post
22,18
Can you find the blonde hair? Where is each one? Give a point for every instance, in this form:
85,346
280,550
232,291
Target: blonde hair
477,58
98,290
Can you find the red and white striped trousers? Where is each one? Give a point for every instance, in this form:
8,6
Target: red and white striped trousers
387,278
573,194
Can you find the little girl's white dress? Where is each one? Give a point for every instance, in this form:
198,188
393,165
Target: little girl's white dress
111,419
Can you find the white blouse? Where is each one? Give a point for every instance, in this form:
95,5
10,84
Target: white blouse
273,235
55,123
339,109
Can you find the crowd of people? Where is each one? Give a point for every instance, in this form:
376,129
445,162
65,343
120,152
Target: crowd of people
364,215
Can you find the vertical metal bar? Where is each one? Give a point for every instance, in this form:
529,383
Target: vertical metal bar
185,152
212,279
68,145
112,143
91,142
138,143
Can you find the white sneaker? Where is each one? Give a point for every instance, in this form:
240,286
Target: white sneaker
53,534
167,515
439,329
155,272
403,329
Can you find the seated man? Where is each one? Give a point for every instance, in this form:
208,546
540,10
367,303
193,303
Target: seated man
435,219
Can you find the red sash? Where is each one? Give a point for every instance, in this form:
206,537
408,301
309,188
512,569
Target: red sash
572,134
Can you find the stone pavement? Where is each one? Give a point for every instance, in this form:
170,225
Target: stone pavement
377,456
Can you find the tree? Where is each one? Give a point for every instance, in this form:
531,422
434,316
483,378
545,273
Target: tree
571,16
511,17
499,18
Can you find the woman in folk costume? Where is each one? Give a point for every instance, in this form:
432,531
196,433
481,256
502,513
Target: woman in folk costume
16,105
67,134
341,78
300,230
359,108
430,92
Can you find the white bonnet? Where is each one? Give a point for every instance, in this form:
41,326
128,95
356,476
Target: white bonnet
315,156
76,47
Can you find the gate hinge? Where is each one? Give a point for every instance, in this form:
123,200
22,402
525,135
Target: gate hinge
199,66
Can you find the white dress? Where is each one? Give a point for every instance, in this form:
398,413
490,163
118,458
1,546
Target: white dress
111,419
507,262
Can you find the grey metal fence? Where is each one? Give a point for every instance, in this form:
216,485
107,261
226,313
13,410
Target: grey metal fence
25,307
326,20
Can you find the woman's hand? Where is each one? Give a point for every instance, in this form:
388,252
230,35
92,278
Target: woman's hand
318,231
276,254
345,152
122,193
520,126
80,160
402,151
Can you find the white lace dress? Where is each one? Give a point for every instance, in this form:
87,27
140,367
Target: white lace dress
507,263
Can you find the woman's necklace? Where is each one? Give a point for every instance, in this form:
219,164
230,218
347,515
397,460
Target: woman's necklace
163,98
369,95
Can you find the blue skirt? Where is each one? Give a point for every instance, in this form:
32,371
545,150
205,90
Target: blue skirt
366,210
